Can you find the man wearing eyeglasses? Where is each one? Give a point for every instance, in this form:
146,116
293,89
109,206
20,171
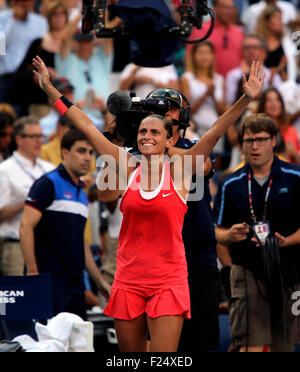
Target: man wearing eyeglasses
263,197
254,49
17,175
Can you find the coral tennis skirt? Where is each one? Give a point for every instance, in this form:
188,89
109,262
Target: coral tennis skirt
128,303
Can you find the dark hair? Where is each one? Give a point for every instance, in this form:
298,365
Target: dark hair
262,41
65,122
70,138
262,104
195,48
19,125
6,120
258,123
280,147
168,124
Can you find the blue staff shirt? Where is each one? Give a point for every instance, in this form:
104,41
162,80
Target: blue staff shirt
232,207
59,235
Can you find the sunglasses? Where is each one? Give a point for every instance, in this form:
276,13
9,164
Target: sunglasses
167,93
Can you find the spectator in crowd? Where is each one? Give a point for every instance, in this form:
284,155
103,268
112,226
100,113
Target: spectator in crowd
253,13
290,92
6,135
143,80
23,93
87,68
281,49
17,175
51,151
205,89
57,17
254,49
56,204
272,104
264,191
227,38
21,27
49,122
7,109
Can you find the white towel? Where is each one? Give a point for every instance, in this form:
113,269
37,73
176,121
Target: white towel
64,333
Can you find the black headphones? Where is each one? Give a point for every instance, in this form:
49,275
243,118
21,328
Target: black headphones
184,113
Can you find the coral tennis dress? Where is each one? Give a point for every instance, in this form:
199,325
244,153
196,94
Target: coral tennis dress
151,274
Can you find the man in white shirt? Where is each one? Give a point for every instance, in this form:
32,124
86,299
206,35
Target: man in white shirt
254,11
17,175
20,27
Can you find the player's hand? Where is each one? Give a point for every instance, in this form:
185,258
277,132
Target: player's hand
253,87
41,72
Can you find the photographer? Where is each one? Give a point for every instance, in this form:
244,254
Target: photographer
263,197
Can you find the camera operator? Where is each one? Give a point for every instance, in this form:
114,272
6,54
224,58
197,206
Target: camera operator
201,257
263,197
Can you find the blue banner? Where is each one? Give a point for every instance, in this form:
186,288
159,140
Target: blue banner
25,298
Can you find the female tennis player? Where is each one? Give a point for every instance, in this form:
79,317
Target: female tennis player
150,292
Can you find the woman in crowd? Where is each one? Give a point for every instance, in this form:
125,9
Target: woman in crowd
281,50
204,88
57,16
272,104
59,29
150,290
6,135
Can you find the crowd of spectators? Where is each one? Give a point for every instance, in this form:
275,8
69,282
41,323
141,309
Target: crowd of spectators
86,70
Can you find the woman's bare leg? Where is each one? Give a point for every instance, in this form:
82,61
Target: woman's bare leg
165,333
132,334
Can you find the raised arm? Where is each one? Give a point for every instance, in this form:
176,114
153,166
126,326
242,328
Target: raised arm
81,121
68,33
252,88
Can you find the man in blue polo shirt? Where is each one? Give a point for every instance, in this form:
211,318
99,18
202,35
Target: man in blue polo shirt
52,228
262,197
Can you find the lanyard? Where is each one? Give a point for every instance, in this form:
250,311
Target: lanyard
26,171
251,198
